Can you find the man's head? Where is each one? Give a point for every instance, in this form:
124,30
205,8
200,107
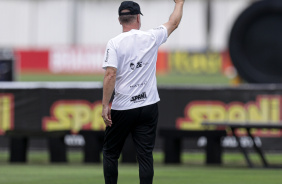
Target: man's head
129,14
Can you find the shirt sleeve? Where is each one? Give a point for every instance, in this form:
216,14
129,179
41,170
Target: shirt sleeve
161,34
110,58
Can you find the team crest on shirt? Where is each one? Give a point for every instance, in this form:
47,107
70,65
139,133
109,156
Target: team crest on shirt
132,66
139,98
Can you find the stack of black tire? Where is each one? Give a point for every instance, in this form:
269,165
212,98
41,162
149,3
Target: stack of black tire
255,42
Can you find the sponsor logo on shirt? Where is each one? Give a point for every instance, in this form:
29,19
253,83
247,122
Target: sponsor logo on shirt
107,57
140,64
139,85
139,98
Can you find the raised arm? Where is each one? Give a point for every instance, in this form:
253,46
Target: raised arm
175,17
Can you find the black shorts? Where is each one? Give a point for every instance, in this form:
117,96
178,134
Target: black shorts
140,122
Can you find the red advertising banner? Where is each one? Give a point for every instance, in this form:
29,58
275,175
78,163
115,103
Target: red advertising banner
89,60
61,61
30,61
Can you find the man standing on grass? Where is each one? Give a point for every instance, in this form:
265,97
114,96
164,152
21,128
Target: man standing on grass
130,64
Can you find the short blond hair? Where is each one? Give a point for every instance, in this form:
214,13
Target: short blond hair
127,19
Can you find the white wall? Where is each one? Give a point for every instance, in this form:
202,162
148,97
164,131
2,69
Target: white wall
224,16
45,23
54,23
14,23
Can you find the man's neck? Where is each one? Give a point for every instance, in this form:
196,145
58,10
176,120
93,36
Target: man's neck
129,28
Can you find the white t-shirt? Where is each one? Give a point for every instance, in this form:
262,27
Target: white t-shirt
134,54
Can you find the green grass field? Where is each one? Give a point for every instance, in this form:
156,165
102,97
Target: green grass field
162,79
191,171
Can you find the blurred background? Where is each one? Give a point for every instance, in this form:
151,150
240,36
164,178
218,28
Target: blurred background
51,54
64,40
